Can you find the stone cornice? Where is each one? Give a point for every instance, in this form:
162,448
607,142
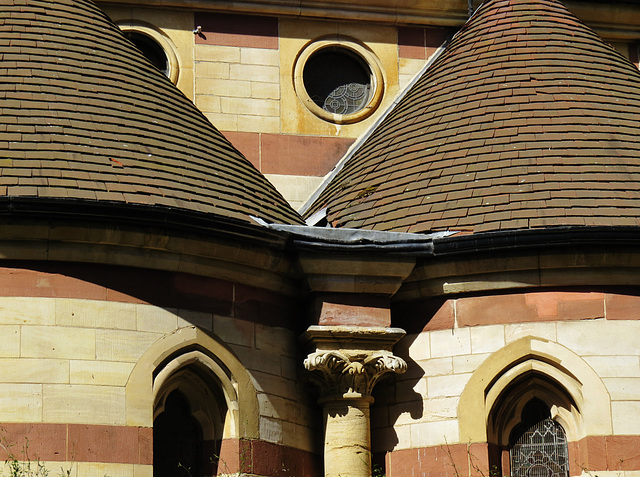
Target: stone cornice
612,20
566,266
243,260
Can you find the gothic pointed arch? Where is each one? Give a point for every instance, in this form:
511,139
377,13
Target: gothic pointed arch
190,413
196,395
496,393
192,352
495,406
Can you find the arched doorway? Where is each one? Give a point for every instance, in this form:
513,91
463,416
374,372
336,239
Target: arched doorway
189,421
177,440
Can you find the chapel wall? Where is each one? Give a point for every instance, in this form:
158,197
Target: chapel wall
419,418
78,362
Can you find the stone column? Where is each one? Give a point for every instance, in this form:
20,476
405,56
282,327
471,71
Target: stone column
346,376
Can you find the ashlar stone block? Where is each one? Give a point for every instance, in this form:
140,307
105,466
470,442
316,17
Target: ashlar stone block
210,70
20,402
427,434
403,433
468,363
223,121
234,331
99,469
217,53
32,311
103,373
260,56
289,367
263,74
81,404
58,342
487,339
436,366
623,389
440,409
9,341
447,386
156,319
453,342
270,430
515,331
418,346
200,319
250,106
265,90
626,417
600,337
410,390
258,124
95,314
274,385
142,470
615,366
122,345
275,340
33,370
258,360
208,103
298,437
224,87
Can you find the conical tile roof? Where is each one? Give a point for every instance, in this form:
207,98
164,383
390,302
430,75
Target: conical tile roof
84,116
527,120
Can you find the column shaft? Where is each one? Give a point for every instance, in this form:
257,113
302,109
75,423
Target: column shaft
347,441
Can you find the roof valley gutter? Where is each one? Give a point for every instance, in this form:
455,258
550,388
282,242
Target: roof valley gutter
364,136
357,240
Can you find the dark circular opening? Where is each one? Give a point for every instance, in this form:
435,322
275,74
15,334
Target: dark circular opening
337,80
151,50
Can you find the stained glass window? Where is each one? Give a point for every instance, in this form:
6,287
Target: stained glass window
538,446
338,81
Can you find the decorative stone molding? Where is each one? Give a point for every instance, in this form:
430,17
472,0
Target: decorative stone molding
352,377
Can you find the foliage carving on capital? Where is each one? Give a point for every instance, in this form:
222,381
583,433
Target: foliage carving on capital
342,375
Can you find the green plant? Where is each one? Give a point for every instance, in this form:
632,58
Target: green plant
493,471
245,465
26,466
377,471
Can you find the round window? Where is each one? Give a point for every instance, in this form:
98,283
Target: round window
155,46
151,50
338,80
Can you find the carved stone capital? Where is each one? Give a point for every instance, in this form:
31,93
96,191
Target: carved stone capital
353,376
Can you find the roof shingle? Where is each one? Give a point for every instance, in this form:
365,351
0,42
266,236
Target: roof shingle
83,110
525,105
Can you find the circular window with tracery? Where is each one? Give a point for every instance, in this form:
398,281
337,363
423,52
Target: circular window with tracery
338,80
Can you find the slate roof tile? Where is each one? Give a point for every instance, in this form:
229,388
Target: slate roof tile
78,98
527,110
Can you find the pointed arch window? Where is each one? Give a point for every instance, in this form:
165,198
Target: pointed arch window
177,440
538,445
189,421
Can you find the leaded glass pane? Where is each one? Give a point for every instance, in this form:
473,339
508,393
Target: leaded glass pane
348,98
541,451
338,81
